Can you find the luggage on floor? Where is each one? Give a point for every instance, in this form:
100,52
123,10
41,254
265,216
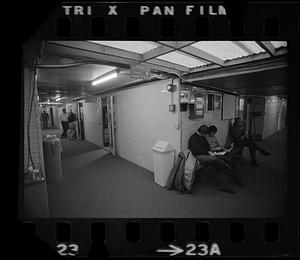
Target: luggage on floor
71,133
183,173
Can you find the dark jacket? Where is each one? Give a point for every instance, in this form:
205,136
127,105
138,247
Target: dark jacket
71,117
198,145
236,133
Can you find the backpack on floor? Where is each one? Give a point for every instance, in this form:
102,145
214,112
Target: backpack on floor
70,133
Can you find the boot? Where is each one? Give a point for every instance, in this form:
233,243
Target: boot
264,152
226,189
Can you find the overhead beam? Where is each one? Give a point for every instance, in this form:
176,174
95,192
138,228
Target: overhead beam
168,64
243,47
176,44
99,48
267,46
256,66
161,50
80,54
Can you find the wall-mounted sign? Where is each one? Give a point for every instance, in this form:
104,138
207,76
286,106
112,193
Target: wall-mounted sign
197,109
140,72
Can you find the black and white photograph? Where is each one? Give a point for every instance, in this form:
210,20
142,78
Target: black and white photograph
155,129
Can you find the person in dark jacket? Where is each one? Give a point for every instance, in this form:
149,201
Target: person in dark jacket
201,150
44,117
240,140
72,123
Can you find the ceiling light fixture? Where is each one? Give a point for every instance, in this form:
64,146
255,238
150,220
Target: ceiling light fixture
105,77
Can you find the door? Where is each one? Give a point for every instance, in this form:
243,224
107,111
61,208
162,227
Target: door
80,120
92,116
111,124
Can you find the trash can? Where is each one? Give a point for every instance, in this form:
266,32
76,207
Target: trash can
52,157
163,159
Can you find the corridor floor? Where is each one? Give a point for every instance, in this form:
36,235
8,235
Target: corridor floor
98,185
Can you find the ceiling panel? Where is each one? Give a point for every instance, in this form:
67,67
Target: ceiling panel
253,46
225,50
182,59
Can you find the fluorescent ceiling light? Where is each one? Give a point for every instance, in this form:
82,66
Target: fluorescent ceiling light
50,103
105,78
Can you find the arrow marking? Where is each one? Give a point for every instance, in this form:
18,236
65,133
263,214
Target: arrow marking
174,251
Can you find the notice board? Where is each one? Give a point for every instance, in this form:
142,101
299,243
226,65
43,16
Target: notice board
197,109
228,106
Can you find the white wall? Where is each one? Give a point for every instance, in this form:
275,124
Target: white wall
142,117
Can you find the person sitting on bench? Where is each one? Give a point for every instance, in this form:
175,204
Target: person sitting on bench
201,150
240,140
229,157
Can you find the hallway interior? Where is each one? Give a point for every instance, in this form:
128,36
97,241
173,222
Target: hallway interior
98,185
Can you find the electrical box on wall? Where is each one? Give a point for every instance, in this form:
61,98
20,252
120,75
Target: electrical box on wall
172,108
185,96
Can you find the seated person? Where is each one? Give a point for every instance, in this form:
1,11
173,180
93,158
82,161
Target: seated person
240,140
201,150
229,157
213,141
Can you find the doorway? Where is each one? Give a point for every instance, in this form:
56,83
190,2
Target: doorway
105,123
108,123
81,120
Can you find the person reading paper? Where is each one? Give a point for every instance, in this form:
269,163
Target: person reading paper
201,150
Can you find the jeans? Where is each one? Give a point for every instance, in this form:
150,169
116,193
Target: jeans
45,124
219,166
248,142
231,159
65,127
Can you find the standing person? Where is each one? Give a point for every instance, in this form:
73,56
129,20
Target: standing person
64,123
72,123
240,140
201,150
45,117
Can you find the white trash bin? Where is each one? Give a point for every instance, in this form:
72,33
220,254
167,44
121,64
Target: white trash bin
163,159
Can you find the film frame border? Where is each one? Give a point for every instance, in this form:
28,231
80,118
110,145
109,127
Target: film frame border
286,32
